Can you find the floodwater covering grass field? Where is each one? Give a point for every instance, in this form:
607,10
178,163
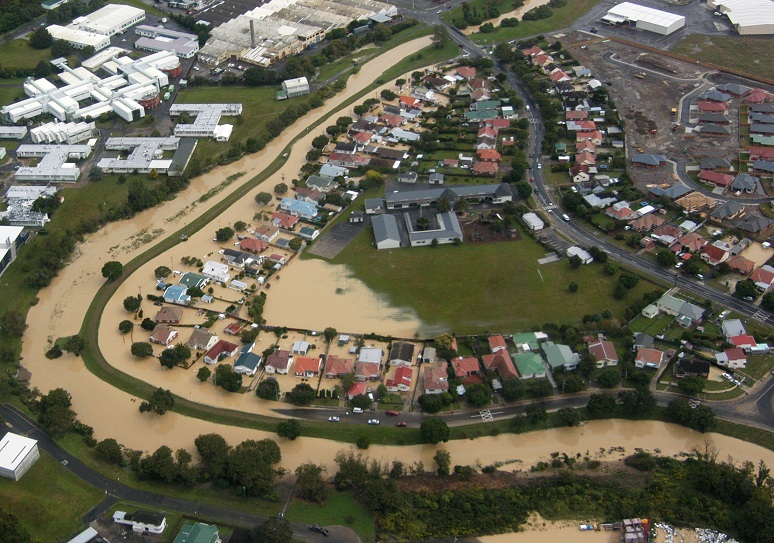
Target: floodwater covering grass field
493,287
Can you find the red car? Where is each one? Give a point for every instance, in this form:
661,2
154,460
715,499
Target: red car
392,413
401,424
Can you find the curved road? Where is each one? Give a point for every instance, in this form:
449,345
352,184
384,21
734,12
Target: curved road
115,491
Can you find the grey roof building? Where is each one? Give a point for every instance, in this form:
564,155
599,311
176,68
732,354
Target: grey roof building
754,224
386,234
748,183
496,193
448,230
648,159
673,192
763,166
712,163
715,96
727,210
733,88
715,129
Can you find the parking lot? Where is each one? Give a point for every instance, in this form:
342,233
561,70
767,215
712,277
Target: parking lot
332,242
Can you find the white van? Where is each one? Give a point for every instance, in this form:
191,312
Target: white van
357,409
565,216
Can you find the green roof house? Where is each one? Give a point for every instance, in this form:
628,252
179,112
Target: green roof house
478,116
198,533
530,339
560,356
194,280
560,147
530,365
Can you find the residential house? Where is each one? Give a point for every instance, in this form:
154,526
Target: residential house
603,352
745,342
278,362
436,379
529,365
708,106
177,294
579,173
307,366
585,159
714,255
163,335
749,184
337,367
372,355
313,196
594,136
486,168
733,327
300,347
648,160
488,155
715,163
620,211
481,95
401,381
201,340
740,264
283,221
733,358
237,258
297,208
247,362
719,179
169,315
584,125
761,153
728,210
648,358
357,389
758,96
560,356
466,72
465,366
754,224
558,75
266,233
325,183
641,340
216,271
252,245
234,328
193,280
408,177
198,532
586,147
308,233
691,366
497,344
401,354
428,355
367,371
501,363
714,129
222,349
692,242
763,277
646,222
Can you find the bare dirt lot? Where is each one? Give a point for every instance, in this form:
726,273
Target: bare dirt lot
476,229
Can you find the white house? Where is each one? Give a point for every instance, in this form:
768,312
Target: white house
216,271
533,221
17,454
142,522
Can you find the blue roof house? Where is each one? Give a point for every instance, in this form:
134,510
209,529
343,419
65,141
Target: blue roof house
177,294
297,208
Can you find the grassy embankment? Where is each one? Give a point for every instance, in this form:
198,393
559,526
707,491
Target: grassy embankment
745,53
30,500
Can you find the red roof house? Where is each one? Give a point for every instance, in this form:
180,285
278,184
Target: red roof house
488,155
465,366
604,353
357,389
220,350
468,72
720,179
336,367
713,255
712,107
758,96
502,363
576,115
485,168
252,245
401,381
648,358
585,158
307,366
497,343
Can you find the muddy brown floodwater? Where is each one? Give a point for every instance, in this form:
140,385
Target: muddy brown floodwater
517,13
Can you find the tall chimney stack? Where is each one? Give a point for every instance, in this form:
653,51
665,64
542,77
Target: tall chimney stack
252,33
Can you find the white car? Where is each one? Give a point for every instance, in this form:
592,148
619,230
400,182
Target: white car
373,421
333,419
540,166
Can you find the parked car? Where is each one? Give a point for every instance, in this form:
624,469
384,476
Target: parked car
333,419
319,529
373,421
402,424
391,413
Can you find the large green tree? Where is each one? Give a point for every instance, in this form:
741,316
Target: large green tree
434,430
112,270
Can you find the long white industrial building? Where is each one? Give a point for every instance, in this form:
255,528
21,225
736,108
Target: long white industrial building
644,18
96,28
749,17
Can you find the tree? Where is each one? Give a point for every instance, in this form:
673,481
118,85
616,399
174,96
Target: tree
363,442
268,389
610,268
387,95
112,270
274,530
692,385
280,189
575,262
55,413
609,378
443,461
523,189
160,402
178,354
61,48
131,303
400,82
320,141
12,323
431,403
434,430
362,401
263,198
74,344
12,529
536,413
302,394
666,258
573,287
444,346
628,280
289,429
637,403
570,416
600,406
250,466
148,324
513,389
746,289
41,39
295,244
571,383
203,374
333,131
330,333
214,452
110,451
162,272
310,485
478,395
224,234
443,205
227,379
142,349
767,302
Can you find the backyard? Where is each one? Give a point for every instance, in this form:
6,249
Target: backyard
499,286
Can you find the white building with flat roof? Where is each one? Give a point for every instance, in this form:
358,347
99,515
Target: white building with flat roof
54,165
296,87
748,16
17,454
77,38
157,38
70,133
143,155
13,132
110,20
10,239
20,199
645,18
207,118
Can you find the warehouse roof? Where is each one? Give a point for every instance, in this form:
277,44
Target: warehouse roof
747,12
635,12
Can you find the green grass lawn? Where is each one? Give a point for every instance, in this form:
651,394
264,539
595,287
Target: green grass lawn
562,18
752,55
759,366
19,54
472,289
652,326
340,509
10,92
45,487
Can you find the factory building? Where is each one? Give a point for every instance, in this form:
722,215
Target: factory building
749,17
644,18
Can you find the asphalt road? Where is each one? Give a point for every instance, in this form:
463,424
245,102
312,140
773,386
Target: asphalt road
115,490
